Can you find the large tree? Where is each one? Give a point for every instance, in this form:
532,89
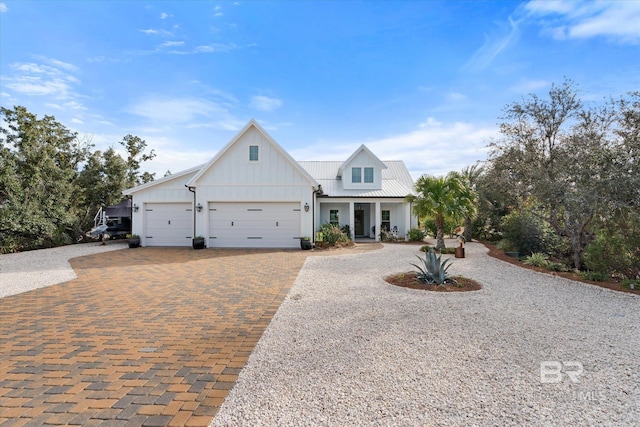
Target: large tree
100,183
443,198
51,184
39,159
135,147
561,153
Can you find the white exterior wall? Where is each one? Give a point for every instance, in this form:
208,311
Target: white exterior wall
399,212
172,191
234,178
362,160
344,216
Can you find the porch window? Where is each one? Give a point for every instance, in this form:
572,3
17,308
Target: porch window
356,174
368,174
253,153
334,217
386,220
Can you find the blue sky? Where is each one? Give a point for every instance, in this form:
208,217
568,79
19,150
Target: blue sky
419,81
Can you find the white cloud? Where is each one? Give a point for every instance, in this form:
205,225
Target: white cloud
187,112
3,8
33,79
457,97
61,65
153,32
165,15
527,86
434,148
99,58
615,20
218,11
171,44
494,45
215,47
264,103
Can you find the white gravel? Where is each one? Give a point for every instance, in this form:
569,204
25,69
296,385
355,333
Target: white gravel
346,348
25,271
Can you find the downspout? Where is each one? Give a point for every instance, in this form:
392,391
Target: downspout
313,212
192,189
130,197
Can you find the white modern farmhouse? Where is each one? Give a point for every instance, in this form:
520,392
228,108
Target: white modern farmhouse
253,194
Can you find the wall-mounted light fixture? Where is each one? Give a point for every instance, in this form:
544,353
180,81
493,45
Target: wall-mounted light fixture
135,207
306,207
199,207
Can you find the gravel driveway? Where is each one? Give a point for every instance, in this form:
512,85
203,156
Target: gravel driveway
25,271
346,348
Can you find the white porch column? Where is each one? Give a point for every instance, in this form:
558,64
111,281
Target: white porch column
407,218
378,221
351,221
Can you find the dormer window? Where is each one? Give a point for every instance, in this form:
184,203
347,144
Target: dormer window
253,153
368,174
356,174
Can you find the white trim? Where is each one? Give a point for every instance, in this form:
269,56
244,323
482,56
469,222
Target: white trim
252,123
162,180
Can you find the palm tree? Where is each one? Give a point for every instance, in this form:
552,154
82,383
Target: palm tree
443,198
471,174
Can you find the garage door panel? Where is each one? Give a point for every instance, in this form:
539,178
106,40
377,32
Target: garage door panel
168,224
254,224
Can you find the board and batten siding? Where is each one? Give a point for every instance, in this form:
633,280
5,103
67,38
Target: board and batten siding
234,166
362,160
272,178
171,191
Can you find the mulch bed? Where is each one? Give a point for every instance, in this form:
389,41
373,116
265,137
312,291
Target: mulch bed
409,280
497,253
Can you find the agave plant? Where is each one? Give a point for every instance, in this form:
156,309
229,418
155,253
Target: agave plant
433,270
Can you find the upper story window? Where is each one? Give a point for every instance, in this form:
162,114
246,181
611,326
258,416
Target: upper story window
368,174
356,174
253,153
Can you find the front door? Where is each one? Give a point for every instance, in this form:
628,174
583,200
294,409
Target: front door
358,222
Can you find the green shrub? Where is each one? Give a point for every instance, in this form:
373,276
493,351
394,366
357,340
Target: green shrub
431,229
608,254
346,229
631,284
386,236
557,266
332,234
596,276
416,235
433,270
537,259
506,245
523,230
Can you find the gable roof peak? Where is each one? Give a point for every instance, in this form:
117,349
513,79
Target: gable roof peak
360,149
251,123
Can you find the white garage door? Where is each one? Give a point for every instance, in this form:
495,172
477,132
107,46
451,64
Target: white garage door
254,225
168,224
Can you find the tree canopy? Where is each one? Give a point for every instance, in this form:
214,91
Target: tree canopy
572,164
448,197
52,183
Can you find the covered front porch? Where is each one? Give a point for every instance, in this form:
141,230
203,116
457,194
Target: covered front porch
366,218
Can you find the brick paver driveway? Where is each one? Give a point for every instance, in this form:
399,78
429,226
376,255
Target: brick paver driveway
151,336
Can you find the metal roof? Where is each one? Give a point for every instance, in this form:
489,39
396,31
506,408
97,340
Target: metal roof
396,179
